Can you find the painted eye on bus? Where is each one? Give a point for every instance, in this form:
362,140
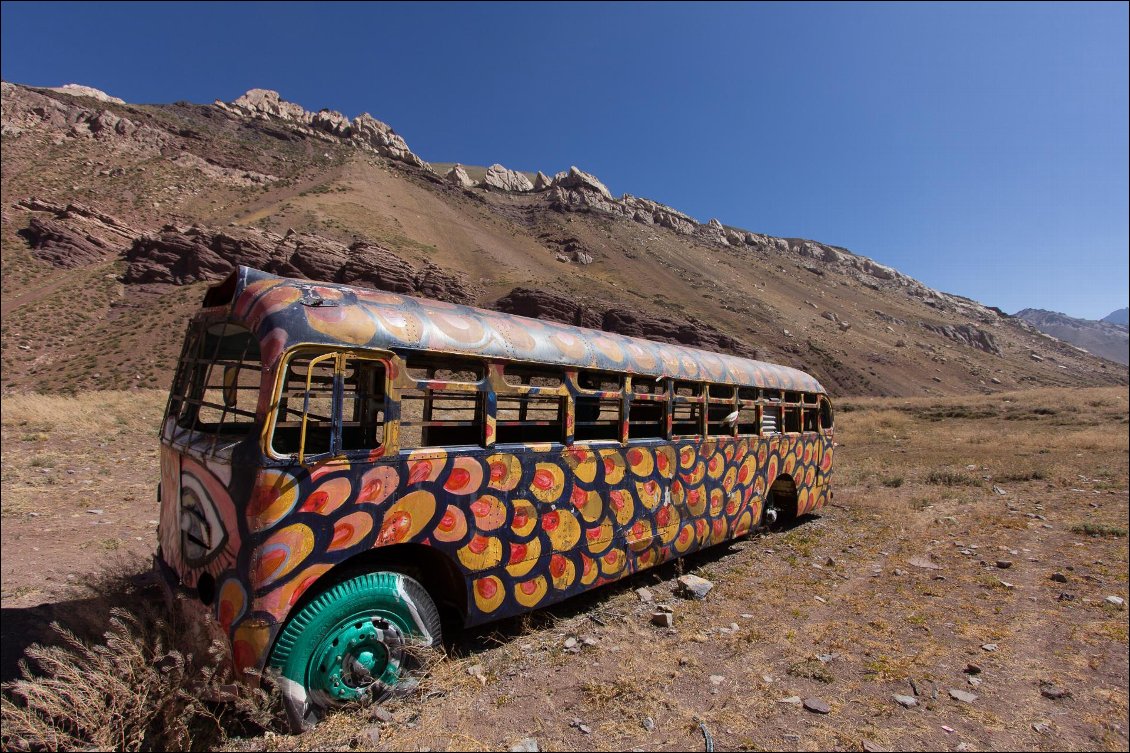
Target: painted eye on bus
202,532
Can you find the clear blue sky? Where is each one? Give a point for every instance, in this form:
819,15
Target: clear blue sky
981,148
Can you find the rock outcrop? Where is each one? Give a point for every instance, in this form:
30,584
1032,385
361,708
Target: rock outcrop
78,90
577,191
966,334
540,304
579,179
458,176
363,131
63,246
25,110
228,175
506,180
542,182
630,207
183,255
73,235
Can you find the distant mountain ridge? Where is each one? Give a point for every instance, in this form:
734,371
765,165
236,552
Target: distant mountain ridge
1106,338
1122,316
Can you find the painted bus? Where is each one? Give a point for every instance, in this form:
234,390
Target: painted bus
342,466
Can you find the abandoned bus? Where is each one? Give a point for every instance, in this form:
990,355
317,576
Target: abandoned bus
339,465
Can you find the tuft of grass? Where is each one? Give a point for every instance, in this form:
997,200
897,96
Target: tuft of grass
893,483
812,669
1099,529
1035,474
949,478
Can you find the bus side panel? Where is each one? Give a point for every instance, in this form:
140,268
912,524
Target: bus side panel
527,525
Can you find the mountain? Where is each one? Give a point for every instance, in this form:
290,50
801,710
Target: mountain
1110,341
115,217
1122,316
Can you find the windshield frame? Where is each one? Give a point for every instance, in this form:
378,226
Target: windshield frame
219,362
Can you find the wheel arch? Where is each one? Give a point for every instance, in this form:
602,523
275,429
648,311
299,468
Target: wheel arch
783,496
434,570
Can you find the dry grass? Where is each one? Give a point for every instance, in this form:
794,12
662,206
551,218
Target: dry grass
843,586
108,413
144,684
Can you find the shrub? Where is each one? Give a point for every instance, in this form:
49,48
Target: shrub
144,686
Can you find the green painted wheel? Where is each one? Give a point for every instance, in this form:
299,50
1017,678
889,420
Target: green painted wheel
348,644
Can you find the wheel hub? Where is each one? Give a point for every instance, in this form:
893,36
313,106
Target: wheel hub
360,658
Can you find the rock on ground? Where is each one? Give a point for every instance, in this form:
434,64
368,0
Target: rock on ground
694,587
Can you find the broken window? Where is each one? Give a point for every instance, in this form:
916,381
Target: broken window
311,419
445,407
647,412
748,421
534,410
363,405
770,412
825,413
686,410
597,406
216,388
304,417
721,416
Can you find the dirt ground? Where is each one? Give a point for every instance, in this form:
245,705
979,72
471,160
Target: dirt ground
932,572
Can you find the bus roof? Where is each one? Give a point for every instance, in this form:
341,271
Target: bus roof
288,312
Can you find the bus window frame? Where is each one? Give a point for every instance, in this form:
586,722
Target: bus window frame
663,398
731,402
796,405
405,381
823,401
775,399
496,379
318,352
573,377
698,399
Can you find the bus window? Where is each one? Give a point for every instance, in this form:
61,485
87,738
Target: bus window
445,407
721,408
532,412
441,369
597,416
524,376
825,413
748,423
792,418
647,413
811,412
529,418
363,405
686,410
304,419
216,387
771,413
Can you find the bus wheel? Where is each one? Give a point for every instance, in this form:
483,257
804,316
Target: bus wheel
350,644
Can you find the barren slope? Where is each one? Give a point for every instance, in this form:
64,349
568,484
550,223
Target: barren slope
86,182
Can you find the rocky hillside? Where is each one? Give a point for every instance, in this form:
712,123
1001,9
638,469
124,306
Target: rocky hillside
1102,338
116,216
